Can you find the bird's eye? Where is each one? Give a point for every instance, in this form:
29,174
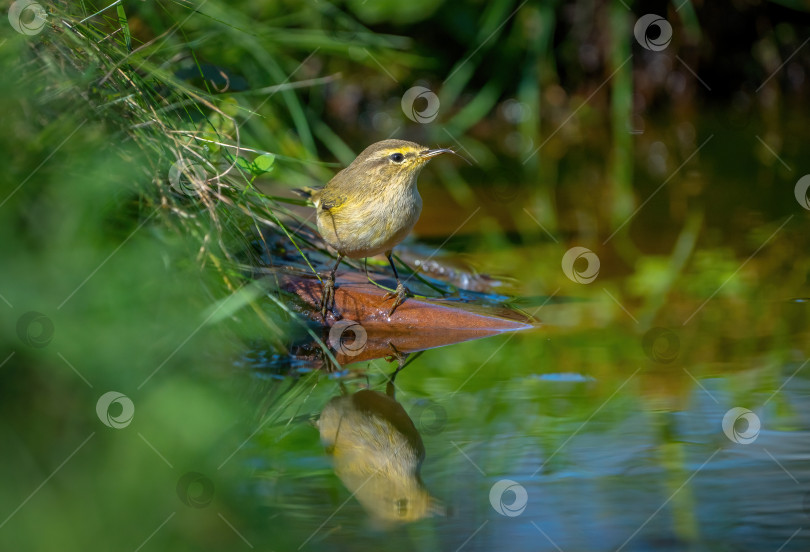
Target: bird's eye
402,506
397,157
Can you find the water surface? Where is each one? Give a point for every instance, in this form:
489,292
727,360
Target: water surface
613,425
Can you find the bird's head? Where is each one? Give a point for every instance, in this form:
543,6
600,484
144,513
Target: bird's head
393,161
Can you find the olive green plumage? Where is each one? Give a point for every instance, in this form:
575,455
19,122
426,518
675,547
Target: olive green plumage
377,453
372,205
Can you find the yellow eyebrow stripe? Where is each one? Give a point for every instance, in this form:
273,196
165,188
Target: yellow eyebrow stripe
387,152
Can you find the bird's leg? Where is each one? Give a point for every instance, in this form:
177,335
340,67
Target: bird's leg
401,293
400,358
329,290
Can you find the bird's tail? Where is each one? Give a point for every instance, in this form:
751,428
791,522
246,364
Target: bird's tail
310,194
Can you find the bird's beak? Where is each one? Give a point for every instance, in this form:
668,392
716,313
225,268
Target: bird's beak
434,152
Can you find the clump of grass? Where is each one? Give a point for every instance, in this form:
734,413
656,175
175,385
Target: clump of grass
129,216
193,136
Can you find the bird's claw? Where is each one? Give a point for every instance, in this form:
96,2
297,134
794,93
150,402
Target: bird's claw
399,295
396,355
328,299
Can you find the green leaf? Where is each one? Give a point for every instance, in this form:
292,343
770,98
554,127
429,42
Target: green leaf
264,163
244,164
122,20
230,305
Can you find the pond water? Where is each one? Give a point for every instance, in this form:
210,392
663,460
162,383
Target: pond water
661,401
641,215
661,404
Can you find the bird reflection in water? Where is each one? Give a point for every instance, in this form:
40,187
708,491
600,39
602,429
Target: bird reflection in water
377,453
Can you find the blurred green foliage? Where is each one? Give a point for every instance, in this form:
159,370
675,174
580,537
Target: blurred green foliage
141,263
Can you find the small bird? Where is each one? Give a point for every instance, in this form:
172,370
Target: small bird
371,206
377,454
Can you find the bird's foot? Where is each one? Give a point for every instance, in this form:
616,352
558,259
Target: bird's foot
399,295
396,355
328,298
400,358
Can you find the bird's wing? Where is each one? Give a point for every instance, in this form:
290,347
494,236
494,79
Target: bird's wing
329,199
